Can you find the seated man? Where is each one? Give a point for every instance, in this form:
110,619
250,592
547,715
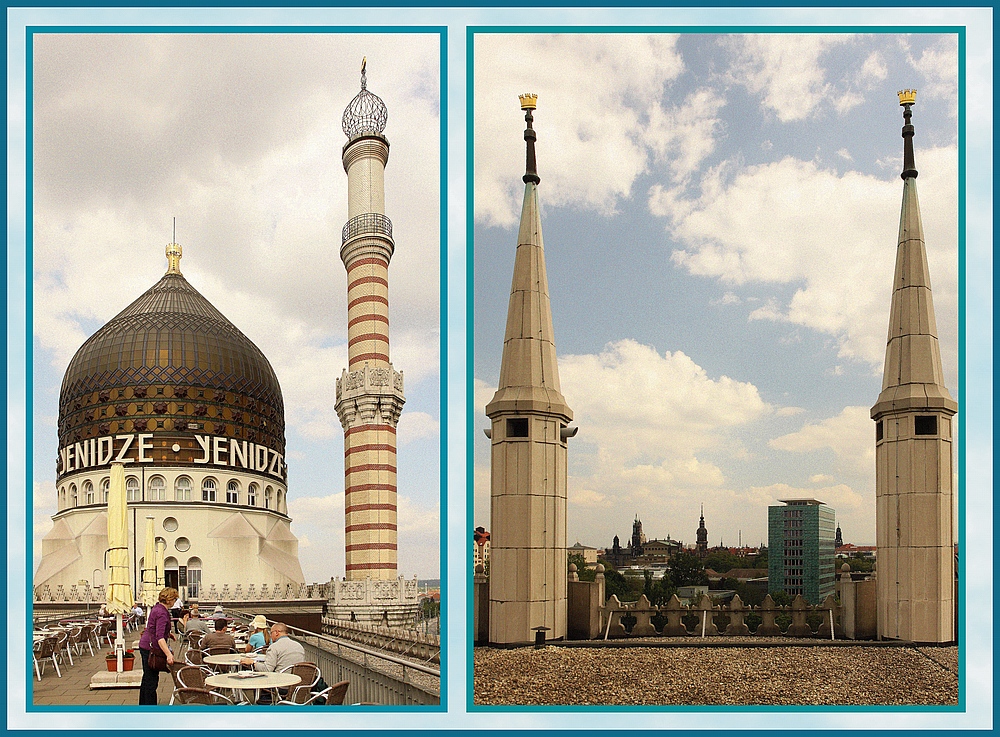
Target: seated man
218,638
283,651
195,622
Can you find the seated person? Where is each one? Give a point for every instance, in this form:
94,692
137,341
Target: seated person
283,651
180,623
195,622
218,638
260,636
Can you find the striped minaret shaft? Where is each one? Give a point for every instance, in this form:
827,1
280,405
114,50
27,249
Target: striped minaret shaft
370,391
914,482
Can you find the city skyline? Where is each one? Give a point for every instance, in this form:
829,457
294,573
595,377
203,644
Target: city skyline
720,247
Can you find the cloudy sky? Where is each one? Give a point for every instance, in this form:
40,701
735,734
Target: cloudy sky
720,216
239,137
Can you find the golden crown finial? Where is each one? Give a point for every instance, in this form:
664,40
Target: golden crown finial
907,97
529,100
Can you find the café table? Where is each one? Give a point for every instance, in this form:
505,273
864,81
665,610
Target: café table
229,659
261,680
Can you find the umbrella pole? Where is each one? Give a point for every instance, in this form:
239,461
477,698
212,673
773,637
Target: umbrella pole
119,642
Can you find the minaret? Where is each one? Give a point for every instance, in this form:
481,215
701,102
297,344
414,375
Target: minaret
529,430
702,535
369,391
914,492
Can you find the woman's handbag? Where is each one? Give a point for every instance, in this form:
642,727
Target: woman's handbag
158,660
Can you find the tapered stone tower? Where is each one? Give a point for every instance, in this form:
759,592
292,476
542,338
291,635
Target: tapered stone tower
369,392
914,491
529,430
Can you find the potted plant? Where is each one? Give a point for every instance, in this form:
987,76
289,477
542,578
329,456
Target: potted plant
111,659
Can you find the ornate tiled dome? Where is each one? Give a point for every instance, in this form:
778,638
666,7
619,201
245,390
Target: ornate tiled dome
169,363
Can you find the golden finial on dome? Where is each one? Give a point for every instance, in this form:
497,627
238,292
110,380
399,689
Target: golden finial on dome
529,100
907,97
173,258
174,253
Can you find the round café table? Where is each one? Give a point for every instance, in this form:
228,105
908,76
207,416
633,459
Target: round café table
230,660
262,680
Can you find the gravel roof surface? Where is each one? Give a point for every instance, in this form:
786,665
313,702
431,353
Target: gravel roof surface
846,675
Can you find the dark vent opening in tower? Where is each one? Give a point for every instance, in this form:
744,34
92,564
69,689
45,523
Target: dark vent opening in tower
925,425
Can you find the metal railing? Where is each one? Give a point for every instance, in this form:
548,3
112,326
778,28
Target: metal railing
375,677
367,223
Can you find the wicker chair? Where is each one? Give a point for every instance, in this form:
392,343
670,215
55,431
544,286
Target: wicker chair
45,650
336,694
308,672
194,656
331,695
220,650
199,696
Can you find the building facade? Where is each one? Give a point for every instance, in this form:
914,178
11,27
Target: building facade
172,389
800,549
529,430
914,478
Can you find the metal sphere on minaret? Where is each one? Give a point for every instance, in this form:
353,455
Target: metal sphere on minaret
366,114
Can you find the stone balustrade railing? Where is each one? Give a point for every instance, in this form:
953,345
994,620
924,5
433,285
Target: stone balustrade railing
616,616
266,592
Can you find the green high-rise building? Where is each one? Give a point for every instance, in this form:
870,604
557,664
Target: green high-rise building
800,549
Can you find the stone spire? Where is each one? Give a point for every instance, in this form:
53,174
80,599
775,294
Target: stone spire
912,377
914,492
528,432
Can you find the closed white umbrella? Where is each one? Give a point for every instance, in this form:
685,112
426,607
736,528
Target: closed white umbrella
149,591
119,595
161,547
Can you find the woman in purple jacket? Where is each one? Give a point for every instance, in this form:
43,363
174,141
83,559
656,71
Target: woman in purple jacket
155,635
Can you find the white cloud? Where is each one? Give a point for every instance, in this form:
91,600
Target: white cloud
873,70
416,426
785,70
646,421
835,238
729,298
850,435
939,66
599,99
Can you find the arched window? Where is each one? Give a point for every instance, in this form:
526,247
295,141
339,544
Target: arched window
105,490
157,489
182,489
132,492
281,501
251,495
233,492
72,495
208,487
268,495
88,492
62,498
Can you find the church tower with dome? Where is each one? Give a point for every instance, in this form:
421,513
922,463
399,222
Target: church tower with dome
174,390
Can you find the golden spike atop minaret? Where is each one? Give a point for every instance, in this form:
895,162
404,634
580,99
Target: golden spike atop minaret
907,97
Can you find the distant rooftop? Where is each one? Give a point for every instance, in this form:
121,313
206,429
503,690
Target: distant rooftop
790,502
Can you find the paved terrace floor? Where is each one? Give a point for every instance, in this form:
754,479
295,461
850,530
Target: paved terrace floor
729,673
73,689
